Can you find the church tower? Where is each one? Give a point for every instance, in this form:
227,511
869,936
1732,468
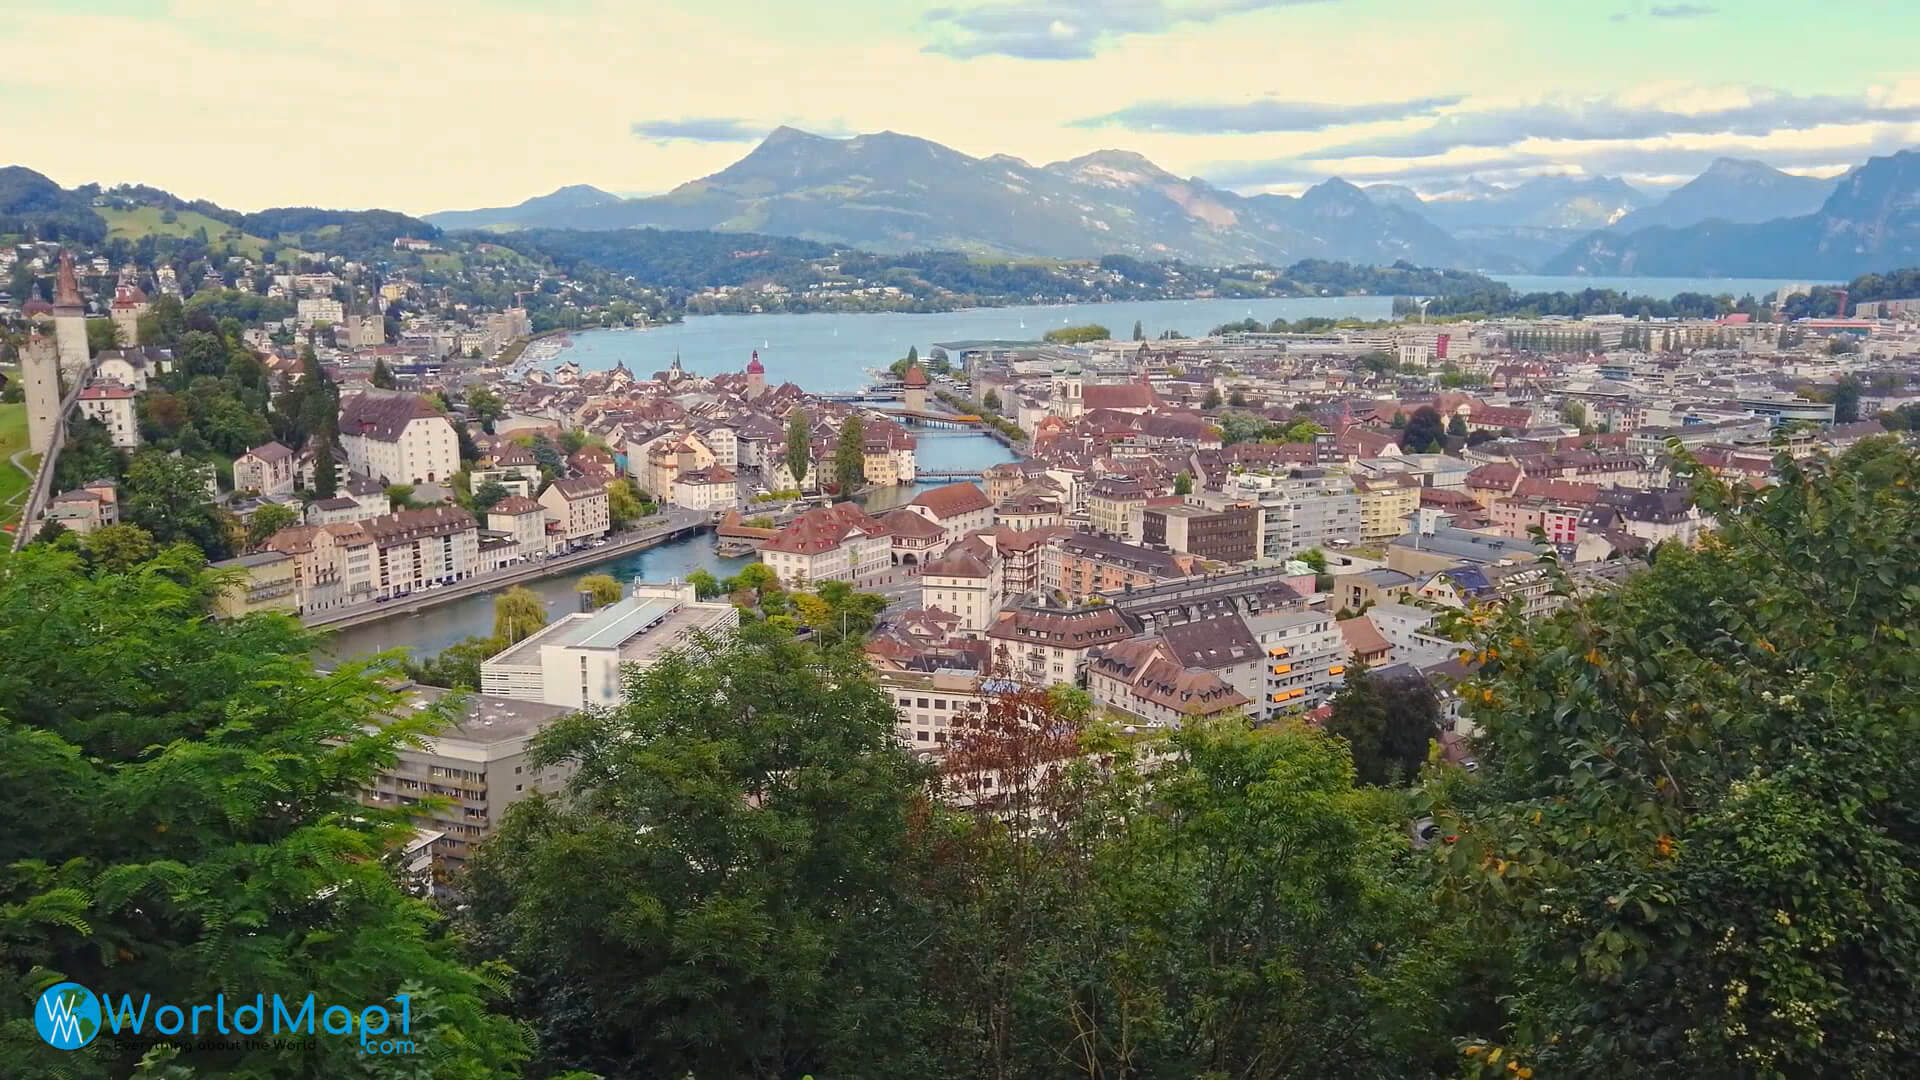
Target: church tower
756,376
70,319
40,372
915,385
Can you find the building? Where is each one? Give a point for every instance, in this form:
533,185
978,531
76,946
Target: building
1115,503
1423,551
40,371
1385,502
914,389
829,543
260,582
1081,565
1207,596
1144,679
966,582
708,490
915,539
1047,645
479,762
1230,534
524,520
1306,659
129,303
112,405
417,548
397,438
266,469
1301,510
334,564
95,505
958,508
579,507
928,705
70,320
319,310
1356,592
577,660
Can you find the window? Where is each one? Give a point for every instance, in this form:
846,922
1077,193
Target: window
923,703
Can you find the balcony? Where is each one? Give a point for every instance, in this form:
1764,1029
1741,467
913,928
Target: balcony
1337,669
1279,650
1282,669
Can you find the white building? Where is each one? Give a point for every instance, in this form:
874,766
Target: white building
965,582
319,310
579,507
524,520
712,490
112,405
829,543
267,469
577,660
416,548
397,438
958,508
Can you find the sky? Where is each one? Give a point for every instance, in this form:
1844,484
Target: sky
433,105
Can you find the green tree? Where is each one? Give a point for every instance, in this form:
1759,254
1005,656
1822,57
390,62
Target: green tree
1424,429
602,589
1237,399
705,585
382,376
492,492
759,577
102,335
1074,335
400,497
1846,400
991,401
1316,559
1213,400
486,406
745,800
1139,333
1183,483
458,665
195,792
913,355
167,496
117,549
326,476
1691,844
623,502
267,520
1457,426
850,457
799,450
1574,413
518,614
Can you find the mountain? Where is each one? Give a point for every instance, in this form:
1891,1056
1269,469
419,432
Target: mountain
1543,202
1733,190
32,202
533,211
1870,222
889,192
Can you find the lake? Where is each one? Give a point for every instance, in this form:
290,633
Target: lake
831,351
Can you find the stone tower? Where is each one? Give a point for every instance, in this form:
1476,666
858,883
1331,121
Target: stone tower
756,376
915,385
40,372
70,319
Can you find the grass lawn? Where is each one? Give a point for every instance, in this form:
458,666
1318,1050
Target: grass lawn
145,220
13,482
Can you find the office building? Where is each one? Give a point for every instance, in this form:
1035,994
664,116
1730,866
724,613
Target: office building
577,660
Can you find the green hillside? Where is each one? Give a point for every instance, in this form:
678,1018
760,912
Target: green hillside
13,439
147,221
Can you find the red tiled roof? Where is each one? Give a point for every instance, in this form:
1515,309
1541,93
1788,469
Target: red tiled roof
822,529
953,500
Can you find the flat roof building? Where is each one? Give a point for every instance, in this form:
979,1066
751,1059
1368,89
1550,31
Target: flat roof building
576,660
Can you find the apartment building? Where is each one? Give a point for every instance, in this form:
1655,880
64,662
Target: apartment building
1306,660
958,508
397,438
266,469
928,705
261,582
112,405
579,507
417,548
829,543
479,762
1144,679
964,581
1229,534
1048,645
577,660
1080,565
1115,504
524,520
1301,510
1385,502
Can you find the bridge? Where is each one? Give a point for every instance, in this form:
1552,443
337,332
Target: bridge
734,537
946,476
922,418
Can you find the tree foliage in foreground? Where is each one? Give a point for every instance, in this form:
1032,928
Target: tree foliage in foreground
179,816
1696,846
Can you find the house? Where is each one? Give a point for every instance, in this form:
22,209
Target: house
928,705
1357,592
1142,679
964,581
333,564
512,467
397,438
522,519
579,507
957,508
85,509
710,490
1080,565
112,405
1047,645
359,499
416,548
916,539
1363,640
829,543
256,583
266,469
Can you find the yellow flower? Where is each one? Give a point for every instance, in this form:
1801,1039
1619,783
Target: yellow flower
1664,846
1473,1051
1513,1066
1526,1072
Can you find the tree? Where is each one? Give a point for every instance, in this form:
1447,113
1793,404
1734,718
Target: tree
913,355
1399,421
799,452
1691,840
1389,724
991,401
326,482
1075,335
1213,400
602,589
400,497
486,406
1575,414
518,614
741,804
270,518
382,377
850,457
1457,427
167,496
1424,429
116,549
1237,399
102,335
759,577
1183,484
1139,333
705,585
1846,401
493,491
623,501
458,665
1315,559
195,787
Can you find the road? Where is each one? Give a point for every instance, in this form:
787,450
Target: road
669,521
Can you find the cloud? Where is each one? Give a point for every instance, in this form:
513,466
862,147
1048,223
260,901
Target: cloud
1683,11
1070,29
711,129
1268,115
1765,112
